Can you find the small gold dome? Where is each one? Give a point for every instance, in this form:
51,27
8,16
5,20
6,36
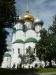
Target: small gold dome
28,17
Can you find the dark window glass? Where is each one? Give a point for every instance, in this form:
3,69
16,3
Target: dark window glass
18,50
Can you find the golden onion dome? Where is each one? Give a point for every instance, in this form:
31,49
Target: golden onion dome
28,17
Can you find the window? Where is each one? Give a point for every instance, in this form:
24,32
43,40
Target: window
36,65
7,59
34,50
19,26
13,51
36,35
18,50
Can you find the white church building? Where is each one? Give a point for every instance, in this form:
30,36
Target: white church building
25,34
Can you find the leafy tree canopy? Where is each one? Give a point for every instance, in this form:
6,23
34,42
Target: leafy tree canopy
52,32
7,14
44,46
29,57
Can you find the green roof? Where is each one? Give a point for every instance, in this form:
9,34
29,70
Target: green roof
9,50
7,55
19,41
31,40
14,31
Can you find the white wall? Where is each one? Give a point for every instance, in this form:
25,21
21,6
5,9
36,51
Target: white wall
6,62
37,28
13,37
18,26
20,35
30,33
37,36
28,25
15,54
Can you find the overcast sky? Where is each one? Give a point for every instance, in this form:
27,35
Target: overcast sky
46,9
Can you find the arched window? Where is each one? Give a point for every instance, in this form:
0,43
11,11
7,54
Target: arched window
7,59
34,50
18,50
13,51
36,65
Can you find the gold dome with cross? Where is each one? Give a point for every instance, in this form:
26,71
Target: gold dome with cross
27,16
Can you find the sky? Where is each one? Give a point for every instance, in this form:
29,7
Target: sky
46,9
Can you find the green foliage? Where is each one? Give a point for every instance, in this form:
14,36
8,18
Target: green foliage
46,46
52,28
53,74
52,32
29,50
29,57
23,59
7,14
27,71
41,45
44,49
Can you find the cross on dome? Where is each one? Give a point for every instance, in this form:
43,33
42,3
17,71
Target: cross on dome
37,13
27,16
17,17
19,11
27,7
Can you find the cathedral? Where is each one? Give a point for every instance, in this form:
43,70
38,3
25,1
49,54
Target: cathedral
25,33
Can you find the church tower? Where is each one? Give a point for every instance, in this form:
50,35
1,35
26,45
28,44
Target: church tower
28,19
17,41
38,24
25,33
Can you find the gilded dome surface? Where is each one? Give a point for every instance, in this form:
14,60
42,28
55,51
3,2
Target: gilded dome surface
28,17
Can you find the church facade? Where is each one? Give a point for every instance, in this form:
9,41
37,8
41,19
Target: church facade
25,33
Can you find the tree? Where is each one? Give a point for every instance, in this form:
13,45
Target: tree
43,47
29,57
23,58
52,32
7,14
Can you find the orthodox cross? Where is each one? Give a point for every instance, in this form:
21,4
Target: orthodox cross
27,6
17,17
37,13
19,11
